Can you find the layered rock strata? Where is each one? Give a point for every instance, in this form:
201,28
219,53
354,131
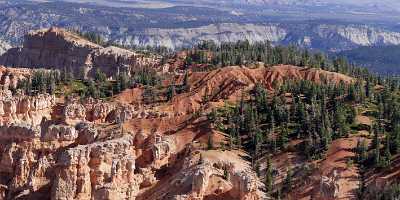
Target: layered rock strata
56,48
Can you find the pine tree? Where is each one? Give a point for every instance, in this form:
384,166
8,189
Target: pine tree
185,84
283,137
260,97
287,184
387,156
99,76
52,86
149,95
368,89
352,96
341,128
361,188
376,130
376,145
269,180
210,142
325,138
170,92
361,151
395,139
258,140
93,91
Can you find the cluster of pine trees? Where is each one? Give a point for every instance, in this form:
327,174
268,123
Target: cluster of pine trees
40,82
265,122
244,52
385,132
316,114
90,36
48,81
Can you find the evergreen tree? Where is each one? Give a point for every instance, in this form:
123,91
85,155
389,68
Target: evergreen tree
376,145
362,151
226,174
170,92
269,179
387,156
325,138
341,128
99,76
395,139
352,95
185,84
210,142
149,95
283,137
368,89
287,183
93,91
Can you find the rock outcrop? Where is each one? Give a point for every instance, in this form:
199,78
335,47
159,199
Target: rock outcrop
212,174
60,133
102,170
74,112
163,151
9,77
59,49
329,187
98,110
19,132
37,161
28,109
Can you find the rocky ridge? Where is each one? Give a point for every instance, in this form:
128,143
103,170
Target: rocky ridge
228,83
322,36
55,48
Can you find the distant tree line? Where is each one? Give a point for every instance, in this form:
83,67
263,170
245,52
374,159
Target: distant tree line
41,81
244,52
55,81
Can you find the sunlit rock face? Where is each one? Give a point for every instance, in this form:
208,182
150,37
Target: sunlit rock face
56,48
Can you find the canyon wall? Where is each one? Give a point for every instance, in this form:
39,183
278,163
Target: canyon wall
59,49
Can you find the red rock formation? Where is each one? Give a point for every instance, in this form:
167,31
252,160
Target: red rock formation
9,77
25,108
102,170
228,83
201,177
56,48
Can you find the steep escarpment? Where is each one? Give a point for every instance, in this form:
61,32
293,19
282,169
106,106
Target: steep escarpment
227,32
334,37
59,49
